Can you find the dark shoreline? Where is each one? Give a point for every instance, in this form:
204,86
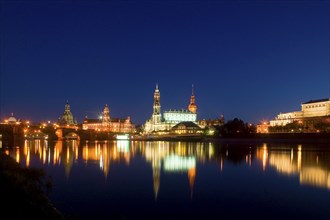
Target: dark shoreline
22,191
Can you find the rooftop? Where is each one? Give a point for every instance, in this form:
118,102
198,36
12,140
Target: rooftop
187,124
317,100
179,111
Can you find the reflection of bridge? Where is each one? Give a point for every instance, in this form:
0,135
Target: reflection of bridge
77,134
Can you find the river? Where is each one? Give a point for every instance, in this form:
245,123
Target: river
183,180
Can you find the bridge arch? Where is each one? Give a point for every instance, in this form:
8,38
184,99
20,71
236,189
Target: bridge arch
67,134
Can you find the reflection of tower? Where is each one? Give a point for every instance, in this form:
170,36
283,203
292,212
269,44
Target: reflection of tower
106,117
156,116
191,177
192,106
156,164
106,158
68,157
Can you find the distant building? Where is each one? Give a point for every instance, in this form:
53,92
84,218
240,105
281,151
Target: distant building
211,122
67,117
187,127
263,128
106,123
310,109
176,116
11,120
157,123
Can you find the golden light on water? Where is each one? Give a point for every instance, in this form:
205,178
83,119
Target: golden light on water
17,155
181,157
305,164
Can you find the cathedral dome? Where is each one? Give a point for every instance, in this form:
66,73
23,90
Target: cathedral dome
12,119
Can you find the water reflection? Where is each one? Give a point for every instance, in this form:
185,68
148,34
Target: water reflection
310,163
103,153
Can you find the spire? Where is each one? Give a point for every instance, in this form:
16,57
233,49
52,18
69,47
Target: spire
156,106
106,116
192,106
67,106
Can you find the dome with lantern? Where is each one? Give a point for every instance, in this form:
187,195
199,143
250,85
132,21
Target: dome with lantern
12,119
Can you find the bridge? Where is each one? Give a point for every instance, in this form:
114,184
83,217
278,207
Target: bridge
80,134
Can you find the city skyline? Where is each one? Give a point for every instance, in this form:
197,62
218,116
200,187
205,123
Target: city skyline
246,59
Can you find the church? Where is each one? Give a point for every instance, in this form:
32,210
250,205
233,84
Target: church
106,123
163,124
67,119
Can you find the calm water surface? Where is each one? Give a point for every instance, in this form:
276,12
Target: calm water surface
182,180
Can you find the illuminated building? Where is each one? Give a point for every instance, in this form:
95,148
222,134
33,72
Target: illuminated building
67,117
187,127
310,109
106,123
211,122
12,120
155,123
176,116
159,124
263,128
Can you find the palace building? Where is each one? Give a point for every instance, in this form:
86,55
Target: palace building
177,116
310,109
157,123
106,123
312,113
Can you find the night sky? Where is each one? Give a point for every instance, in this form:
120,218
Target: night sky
246,59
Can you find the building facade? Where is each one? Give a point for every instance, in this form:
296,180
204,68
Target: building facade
187,128
263,128
207,123
11,120
310,109
106,123
177,116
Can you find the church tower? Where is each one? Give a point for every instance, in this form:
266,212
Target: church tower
106,117
156,115
192,106
67,117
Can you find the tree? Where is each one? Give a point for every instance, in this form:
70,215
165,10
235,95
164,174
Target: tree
236,127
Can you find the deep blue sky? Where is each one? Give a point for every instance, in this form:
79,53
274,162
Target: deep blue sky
247,59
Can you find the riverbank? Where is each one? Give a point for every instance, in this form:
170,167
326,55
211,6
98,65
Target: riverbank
22,192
